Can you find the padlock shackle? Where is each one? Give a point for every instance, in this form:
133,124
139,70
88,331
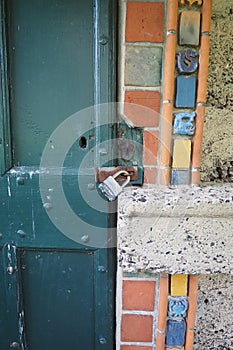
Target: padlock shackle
122,172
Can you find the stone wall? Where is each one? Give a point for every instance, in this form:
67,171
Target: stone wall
217,158
216,291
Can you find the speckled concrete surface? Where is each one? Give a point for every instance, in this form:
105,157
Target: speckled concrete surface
214,326
177,229
217,159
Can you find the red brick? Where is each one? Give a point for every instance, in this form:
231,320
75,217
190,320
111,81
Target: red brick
142,107
135,347
138,295
136,328
150,147
144,22
150,175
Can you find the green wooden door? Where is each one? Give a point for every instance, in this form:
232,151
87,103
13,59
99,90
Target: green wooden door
56,274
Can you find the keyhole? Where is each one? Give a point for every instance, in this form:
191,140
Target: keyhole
83,142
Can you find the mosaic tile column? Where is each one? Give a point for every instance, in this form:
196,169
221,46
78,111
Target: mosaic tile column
184,98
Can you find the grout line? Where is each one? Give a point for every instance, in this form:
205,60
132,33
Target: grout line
136,343
144,44
156,301
137,312
146,88
149,279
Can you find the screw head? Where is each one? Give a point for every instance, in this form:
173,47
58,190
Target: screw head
91,187
20,180
10,270
15,345
102,341
85,239
103,40
47,206
102,269
21,233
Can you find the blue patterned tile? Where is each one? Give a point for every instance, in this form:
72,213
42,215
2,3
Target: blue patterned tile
178,306
184,123
185,91
175,333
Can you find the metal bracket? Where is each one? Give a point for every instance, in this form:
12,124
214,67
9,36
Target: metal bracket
103,173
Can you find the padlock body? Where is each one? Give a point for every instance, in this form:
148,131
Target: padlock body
110,188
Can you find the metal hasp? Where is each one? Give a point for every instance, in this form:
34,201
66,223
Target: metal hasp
130,150
111,188
103,173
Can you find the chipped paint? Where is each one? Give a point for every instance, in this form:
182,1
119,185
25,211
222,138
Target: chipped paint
9,186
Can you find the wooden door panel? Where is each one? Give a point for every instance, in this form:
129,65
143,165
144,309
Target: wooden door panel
51,53
52,282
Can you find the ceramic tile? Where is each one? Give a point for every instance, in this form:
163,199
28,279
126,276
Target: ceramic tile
185,91
189,28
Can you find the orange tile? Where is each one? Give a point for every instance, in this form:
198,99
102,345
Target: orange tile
136,328
203,69
134,347
163,302
144,22
169,67
160,341
197,139
150,147
138,295
150,175
192,296
172,14
165,176
189,339
142,107
206,15
195,177
166,135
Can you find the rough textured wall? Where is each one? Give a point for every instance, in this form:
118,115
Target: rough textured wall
217,159
214,326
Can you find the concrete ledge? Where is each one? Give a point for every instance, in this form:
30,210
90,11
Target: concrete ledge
176,229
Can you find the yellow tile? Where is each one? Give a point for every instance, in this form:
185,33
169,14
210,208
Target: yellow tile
181,154
179,285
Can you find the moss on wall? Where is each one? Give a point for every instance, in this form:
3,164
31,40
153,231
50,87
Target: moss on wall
217,159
